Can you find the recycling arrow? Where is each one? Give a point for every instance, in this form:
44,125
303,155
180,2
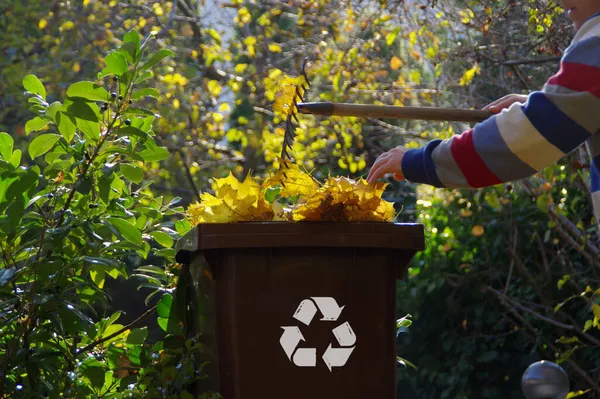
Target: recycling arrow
305,357
290,339
328,307
336,357
344,335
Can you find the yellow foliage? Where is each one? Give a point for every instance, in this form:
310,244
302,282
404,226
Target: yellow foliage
294,181
284,98
234,201
469,75
339,199
345,200
477,230
395,63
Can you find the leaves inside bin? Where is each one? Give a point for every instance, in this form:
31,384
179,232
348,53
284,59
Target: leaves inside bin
292,195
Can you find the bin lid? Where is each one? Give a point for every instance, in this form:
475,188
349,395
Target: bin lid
409,236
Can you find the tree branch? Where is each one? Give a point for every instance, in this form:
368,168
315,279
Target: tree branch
549,320
526,61
91,346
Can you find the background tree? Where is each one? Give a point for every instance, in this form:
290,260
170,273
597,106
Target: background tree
499,261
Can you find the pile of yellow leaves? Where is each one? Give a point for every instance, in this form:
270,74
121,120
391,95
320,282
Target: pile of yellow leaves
338,199
234,201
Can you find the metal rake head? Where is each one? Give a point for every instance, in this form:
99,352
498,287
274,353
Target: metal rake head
301,89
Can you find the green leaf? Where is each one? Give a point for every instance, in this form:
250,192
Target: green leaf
32,84
81,110
405,362
134,131
15,159
42,144
140,111
154,154
132,36
91,129
404,322
182,227
66,126
94,371
14,213
142,77
27,178
148,92
6,275
6,145
163,307
88,90
52,110
151,269
35,124
156,58
137,336
98,276
116,64
162,238
129,51
271,194
132,172
131,48
127,230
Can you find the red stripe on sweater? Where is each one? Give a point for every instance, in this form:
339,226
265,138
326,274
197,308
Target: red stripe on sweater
578,77
470,163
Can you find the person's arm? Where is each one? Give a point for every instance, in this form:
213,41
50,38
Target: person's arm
523,139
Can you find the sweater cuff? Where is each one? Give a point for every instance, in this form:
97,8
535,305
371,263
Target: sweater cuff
418,167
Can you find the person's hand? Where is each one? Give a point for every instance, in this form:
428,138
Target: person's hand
504,102
388,162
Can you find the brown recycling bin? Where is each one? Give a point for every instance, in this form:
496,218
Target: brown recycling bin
298,310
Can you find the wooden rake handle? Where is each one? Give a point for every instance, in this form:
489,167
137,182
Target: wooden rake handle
395,112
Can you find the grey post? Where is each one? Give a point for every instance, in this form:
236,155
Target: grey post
545,380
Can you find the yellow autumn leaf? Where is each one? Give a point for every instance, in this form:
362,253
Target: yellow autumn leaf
469,75
477,230
76,67
275,48
596,310
42,24
395,63
214,88
293,181
289,88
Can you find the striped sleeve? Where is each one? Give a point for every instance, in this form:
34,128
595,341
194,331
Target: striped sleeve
524,138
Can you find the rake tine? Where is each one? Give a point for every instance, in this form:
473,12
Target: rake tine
290,127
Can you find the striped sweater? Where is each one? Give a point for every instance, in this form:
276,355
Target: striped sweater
525,138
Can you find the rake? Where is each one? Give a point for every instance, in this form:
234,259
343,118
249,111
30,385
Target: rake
366,111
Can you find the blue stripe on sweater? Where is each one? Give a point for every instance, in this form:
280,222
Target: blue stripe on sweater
585,52
418,166
595,173
560,130
495,153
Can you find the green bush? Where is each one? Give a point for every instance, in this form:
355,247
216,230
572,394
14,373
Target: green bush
80,213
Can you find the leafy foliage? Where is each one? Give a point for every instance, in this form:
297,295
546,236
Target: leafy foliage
81,212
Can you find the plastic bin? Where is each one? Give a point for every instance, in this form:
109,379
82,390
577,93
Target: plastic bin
298,310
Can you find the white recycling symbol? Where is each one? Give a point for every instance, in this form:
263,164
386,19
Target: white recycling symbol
307,357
